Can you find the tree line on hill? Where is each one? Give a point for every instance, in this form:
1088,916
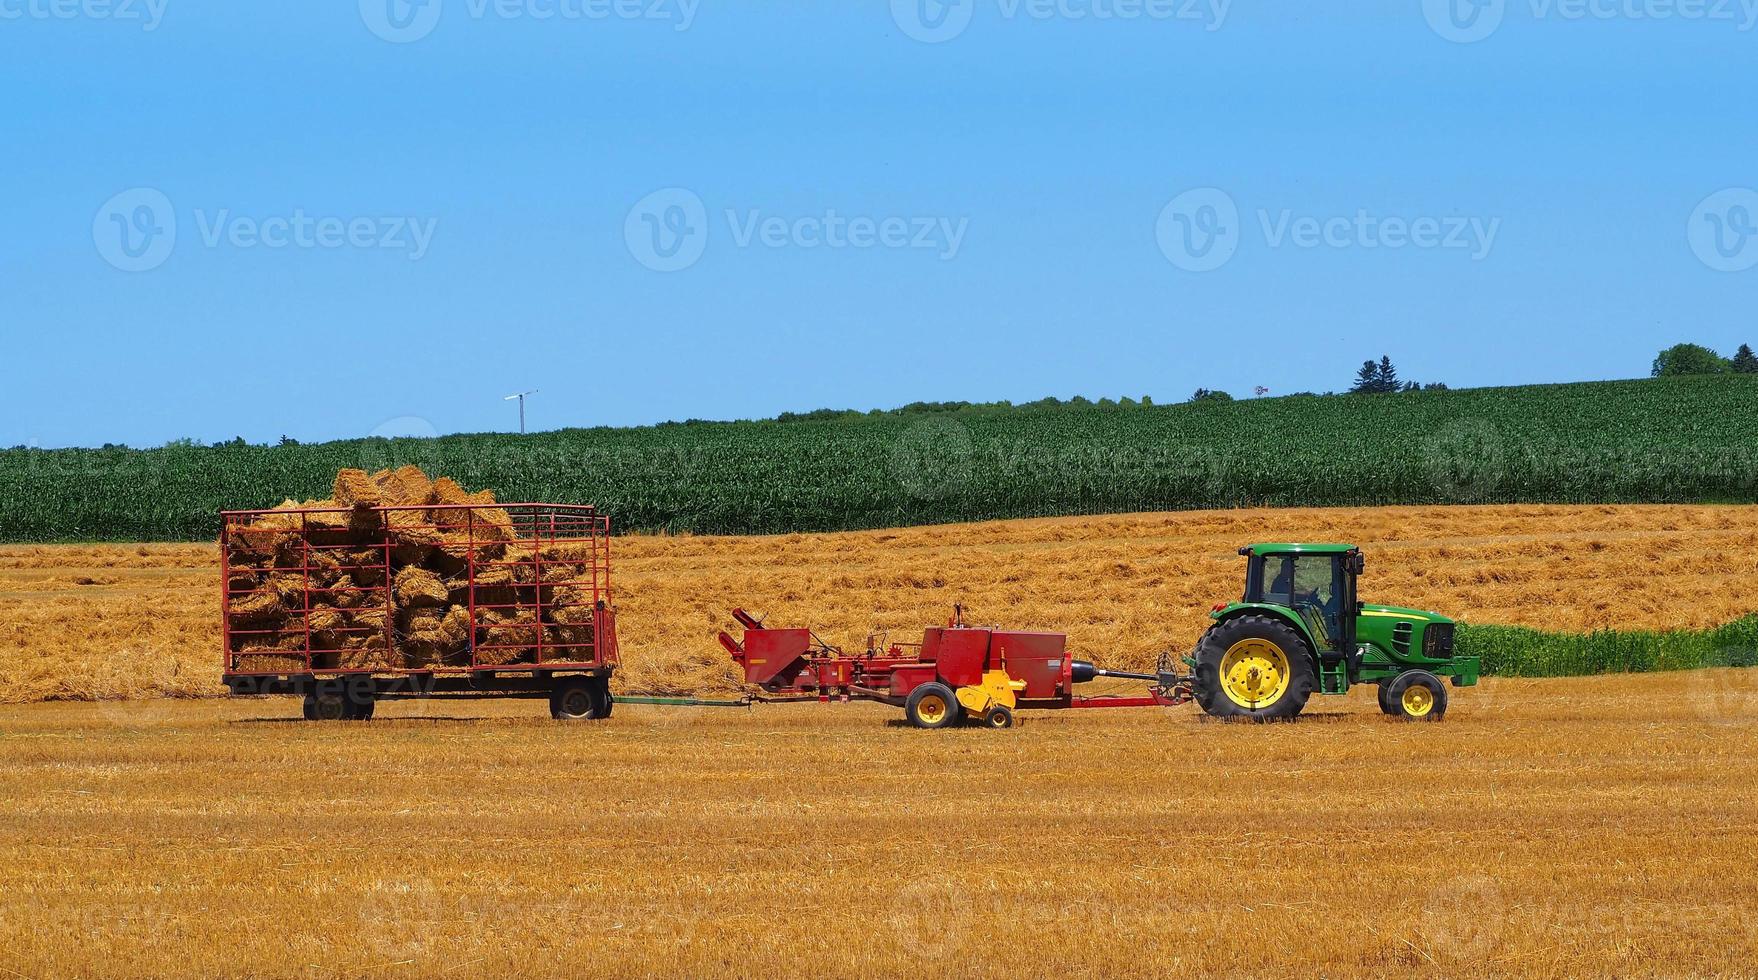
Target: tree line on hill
1696,359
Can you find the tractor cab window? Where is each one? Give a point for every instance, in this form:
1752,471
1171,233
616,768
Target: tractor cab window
1312,586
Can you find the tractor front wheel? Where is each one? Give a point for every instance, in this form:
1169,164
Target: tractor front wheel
1253,667
932,705
1416,695
1385,705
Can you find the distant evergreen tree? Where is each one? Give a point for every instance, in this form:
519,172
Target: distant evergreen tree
1388,375
1378,379
1745,362
1367,380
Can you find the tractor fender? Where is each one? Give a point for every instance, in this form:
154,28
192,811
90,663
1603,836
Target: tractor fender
1277,613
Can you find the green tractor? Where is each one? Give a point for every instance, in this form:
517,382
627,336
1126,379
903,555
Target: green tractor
1301,629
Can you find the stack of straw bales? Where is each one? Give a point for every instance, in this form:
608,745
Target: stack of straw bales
389,586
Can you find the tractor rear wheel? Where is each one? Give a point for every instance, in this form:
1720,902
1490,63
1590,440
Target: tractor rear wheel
932,705
1253,667
1417,695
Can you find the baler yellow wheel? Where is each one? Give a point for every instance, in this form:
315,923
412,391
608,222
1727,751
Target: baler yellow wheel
1254,673
932,705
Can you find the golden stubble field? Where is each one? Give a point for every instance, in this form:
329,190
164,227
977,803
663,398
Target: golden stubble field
1599,826
104,621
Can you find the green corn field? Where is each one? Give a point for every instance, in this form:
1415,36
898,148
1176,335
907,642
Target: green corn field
1515,651
1665,440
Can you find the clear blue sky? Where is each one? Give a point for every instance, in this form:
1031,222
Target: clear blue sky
1050,144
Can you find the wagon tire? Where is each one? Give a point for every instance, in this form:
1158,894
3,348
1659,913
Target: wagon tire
359,705
579,699
602,700
932,705
328,706
309,708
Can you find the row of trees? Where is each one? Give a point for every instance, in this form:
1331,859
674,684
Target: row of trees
1697,359
1381,378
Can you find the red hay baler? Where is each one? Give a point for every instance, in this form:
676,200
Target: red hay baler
957,671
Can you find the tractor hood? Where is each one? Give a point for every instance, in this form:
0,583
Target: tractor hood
1399,612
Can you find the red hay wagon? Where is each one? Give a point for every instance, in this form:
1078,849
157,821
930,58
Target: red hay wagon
345,607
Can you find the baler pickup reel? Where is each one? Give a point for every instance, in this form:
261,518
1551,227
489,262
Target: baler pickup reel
956,672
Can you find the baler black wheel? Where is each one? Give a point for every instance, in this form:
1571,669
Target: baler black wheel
1254,667
580,699
999,717
1417,695
932,705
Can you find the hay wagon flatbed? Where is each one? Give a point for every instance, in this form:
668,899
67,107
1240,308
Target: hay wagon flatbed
345,606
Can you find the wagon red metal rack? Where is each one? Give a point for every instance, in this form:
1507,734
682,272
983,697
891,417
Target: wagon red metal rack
507,600
956,672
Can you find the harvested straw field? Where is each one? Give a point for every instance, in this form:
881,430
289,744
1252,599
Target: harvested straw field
105,621
1591,826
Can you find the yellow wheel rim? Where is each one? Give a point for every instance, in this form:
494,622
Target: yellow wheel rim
1417,700
931,709
1254,673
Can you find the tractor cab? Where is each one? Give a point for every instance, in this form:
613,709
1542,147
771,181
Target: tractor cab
1315,581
